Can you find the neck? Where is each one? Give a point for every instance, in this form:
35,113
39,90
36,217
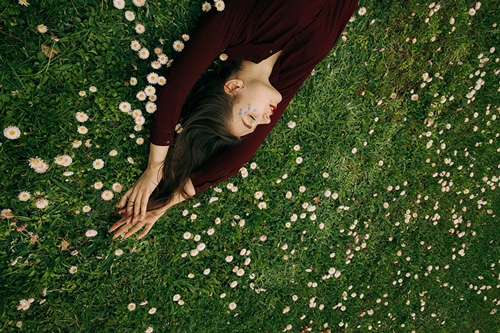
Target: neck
261,70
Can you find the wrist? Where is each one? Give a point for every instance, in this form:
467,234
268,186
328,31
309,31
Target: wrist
154,166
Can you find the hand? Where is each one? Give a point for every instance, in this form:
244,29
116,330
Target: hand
135,201
127,227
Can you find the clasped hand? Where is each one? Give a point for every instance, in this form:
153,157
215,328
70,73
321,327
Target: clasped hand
128,225
133,207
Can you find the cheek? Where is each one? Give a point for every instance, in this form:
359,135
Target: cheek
249,109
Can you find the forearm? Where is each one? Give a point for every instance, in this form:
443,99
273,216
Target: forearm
157,156
178,197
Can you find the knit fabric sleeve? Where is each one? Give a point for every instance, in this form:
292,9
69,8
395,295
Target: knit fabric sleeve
212,35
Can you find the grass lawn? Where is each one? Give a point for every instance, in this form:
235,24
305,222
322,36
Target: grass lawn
373,205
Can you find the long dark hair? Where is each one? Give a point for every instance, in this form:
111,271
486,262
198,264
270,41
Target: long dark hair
206,113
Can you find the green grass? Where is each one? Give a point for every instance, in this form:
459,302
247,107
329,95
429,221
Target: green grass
412,229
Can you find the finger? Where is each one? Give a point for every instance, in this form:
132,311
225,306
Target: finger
122,231
137,207
134,229
118,224
124,199
145,231
130,204
144,207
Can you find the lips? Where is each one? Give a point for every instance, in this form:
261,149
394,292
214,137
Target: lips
273,108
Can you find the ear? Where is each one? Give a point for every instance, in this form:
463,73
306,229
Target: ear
232,86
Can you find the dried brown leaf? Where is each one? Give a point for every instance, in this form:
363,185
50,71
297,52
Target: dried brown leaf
50,52
64,245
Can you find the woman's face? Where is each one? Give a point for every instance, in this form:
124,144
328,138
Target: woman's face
256,102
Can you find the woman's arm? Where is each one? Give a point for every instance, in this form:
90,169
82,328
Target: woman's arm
135,201
214,32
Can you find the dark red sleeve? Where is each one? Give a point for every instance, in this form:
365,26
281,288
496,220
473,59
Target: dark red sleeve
212,35
299,58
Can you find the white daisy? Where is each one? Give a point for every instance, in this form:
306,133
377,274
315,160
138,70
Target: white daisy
135,45
120,4
155,64
140,120
206,6
150,107
117,187
63,160
139,3
139,28
82,130
162,59
223,57
144,53
219,5
162,81
41,203
42,28
12,132
141,96
6,214
42,168
130,16
152,78
98,164
24,196
125,106
178,46
35,162
82,117
150,90
107,195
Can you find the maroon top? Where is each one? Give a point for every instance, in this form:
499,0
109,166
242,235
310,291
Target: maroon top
305,31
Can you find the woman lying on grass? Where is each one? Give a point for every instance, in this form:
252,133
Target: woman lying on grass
269,48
